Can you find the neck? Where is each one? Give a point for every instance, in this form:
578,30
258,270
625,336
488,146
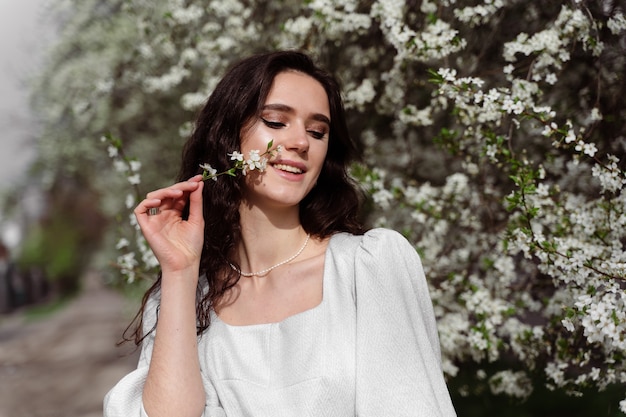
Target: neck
268,237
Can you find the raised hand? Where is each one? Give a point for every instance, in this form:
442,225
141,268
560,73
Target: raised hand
176,243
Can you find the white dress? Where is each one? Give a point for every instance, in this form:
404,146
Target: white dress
370,348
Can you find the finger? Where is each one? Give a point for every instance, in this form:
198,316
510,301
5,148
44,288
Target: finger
195,204
164,193
192,186
175,190
144,206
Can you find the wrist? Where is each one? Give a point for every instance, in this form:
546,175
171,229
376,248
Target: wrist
188,275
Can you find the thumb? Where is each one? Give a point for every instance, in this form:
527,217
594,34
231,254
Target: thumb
195,204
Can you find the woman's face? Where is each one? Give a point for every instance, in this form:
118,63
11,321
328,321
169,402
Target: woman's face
296,116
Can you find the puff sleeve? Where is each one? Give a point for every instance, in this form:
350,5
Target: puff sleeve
398,358
125,398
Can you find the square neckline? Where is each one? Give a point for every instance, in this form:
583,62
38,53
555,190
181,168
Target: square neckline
293,317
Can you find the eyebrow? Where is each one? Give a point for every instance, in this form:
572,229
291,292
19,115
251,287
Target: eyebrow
288,109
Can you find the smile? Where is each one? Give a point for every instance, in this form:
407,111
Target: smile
288,168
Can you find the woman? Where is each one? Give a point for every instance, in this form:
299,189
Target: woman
271,300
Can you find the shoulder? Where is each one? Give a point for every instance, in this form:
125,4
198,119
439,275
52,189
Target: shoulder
380,243
372,236
386,240
378,252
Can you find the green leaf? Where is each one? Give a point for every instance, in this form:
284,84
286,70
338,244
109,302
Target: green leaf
435,77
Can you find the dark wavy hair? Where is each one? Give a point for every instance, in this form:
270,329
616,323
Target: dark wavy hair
331,206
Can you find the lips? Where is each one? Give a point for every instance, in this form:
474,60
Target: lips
289,166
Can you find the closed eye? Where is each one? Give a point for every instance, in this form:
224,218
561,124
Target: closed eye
316,134
272,124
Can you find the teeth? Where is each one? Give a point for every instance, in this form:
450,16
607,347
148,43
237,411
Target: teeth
288,168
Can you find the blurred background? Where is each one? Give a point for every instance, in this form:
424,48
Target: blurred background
26,31
58,353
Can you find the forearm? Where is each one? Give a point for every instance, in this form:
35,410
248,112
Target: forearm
174,383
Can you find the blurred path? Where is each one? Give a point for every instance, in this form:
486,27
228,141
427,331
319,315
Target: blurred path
62,365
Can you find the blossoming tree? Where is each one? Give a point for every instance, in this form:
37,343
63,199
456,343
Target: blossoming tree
494,137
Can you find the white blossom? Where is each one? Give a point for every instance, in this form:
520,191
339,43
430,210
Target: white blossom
515,384
595,115
122,243
209,171
134,165
134,179
130,201
236,156
616,24
187,15
360,95
120,166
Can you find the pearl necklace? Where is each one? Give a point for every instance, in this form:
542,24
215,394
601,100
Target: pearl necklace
267,271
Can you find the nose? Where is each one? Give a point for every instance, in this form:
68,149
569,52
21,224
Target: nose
296,139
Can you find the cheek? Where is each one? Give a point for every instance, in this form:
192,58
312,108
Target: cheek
319,149
253,137
322,157
321,169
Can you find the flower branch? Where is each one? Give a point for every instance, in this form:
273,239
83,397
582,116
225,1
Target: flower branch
256,161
